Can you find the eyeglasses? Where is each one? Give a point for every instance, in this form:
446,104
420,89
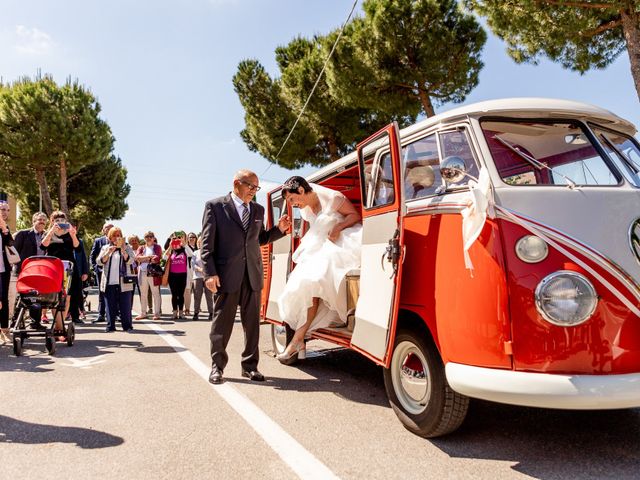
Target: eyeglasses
251,186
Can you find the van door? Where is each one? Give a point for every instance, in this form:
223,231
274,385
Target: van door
280,255
382,242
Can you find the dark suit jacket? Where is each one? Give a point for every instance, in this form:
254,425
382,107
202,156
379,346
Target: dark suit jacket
227,250
81,264
26,245
98,243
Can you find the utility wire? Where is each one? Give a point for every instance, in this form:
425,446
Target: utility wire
335,44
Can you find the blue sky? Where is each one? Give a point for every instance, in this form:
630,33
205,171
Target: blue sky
162,72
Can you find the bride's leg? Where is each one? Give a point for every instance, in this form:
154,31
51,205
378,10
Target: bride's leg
298,337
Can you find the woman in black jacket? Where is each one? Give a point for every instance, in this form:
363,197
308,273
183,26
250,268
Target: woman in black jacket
5,272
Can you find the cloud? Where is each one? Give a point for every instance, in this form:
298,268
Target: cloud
32,41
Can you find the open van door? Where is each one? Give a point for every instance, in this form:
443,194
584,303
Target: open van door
280,255
382,242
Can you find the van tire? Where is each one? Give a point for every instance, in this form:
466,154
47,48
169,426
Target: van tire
423,400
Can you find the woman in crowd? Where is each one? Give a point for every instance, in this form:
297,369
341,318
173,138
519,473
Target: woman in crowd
5,272
134,242
330,248
192,243
198,284
61,241
177,256
149,253
116,258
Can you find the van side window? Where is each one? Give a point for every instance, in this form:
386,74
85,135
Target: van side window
456,144
379,177
421,168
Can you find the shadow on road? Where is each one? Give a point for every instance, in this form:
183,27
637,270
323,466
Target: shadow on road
342,372
550,444
17,431
32,363
160,349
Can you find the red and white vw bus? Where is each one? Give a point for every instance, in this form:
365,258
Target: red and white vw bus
540,308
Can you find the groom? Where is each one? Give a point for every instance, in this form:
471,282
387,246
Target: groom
232,232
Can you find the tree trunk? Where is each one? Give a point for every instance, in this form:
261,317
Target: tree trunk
44,191
426,103
63,186
632,36
333,149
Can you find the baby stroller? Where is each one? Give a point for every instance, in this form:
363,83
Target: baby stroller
43,283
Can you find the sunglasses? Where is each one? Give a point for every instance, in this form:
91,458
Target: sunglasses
251,186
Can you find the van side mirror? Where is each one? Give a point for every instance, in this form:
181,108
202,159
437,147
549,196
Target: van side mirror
453,170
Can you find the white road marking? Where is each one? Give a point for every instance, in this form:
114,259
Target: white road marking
298,458
78,363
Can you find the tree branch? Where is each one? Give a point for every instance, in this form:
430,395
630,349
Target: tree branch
596,6
602,28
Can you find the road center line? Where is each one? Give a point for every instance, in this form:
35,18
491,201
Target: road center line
298,458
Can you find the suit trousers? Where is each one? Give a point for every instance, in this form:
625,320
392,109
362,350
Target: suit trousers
224,314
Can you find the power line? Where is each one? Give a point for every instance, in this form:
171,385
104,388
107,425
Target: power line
335,44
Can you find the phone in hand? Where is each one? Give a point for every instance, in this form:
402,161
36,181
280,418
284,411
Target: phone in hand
64,226
176,244
120,242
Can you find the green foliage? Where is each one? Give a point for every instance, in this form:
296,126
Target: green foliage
53,142
578,35
327,130
389,65
405,55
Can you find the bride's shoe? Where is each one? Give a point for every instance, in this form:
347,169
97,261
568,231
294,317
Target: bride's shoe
297,353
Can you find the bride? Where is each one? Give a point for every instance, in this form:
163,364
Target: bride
313,297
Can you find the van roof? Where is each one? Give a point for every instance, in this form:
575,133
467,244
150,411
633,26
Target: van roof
525,107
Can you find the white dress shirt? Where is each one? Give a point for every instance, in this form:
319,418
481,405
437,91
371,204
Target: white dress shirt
240,205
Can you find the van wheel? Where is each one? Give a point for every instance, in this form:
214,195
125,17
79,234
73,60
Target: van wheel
418,390
280,337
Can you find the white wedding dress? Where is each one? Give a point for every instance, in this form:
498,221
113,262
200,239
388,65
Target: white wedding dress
321,266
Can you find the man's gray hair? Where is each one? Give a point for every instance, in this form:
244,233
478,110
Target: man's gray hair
38,214
244,173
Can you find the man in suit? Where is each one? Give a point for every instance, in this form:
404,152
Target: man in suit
98,243
28,242
232,232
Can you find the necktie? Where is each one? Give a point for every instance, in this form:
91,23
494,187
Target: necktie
245,216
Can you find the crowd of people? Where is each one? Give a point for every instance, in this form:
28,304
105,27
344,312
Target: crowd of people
121,269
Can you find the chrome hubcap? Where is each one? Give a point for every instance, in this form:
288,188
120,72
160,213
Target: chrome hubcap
410,377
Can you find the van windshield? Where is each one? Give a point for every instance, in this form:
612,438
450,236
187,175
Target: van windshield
546,153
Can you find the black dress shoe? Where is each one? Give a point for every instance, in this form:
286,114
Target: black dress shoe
215,376
253,375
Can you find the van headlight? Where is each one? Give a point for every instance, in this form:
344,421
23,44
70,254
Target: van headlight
531,249
566,298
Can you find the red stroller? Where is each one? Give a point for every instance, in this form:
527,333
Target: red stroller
43,283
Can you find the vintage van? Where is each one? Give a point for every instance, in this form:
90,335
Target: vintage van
500,260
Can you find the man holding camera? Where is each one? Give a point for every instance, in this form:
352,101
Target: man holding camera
232,232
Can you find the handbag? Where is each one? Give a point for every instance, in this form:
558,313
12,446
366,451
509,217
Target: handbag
165,275
154,270
128,279
12,255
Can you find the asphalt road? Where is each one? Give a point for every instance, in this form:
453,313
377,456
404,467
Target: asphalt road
138,405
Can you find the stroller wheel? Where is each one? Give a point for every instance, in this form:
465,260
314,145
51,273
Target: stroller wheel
17,345
71,334
50,343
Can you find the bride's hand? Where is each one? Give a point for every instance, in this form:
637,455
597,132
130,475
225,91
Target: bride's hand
334,233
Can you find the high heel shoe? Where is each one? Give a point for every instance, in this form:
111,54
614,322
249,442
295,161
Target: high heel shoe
298,352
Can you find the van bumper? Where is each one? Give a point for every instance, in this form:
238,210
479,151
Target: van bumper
575,392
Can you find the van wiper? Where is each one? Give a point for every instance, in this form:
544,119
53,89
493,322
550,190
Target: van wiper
533,162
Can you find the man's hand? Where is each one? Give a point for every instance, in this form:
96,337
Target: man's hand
213,283
84,277
284,224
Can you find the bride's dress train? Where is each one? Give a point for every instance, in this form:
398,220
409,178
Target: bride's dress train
321,266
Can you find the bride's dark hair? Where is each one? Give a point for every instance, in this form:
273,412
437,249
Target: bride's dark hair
292,184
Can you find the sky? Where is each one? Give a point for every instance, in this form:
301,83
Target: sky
162,70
